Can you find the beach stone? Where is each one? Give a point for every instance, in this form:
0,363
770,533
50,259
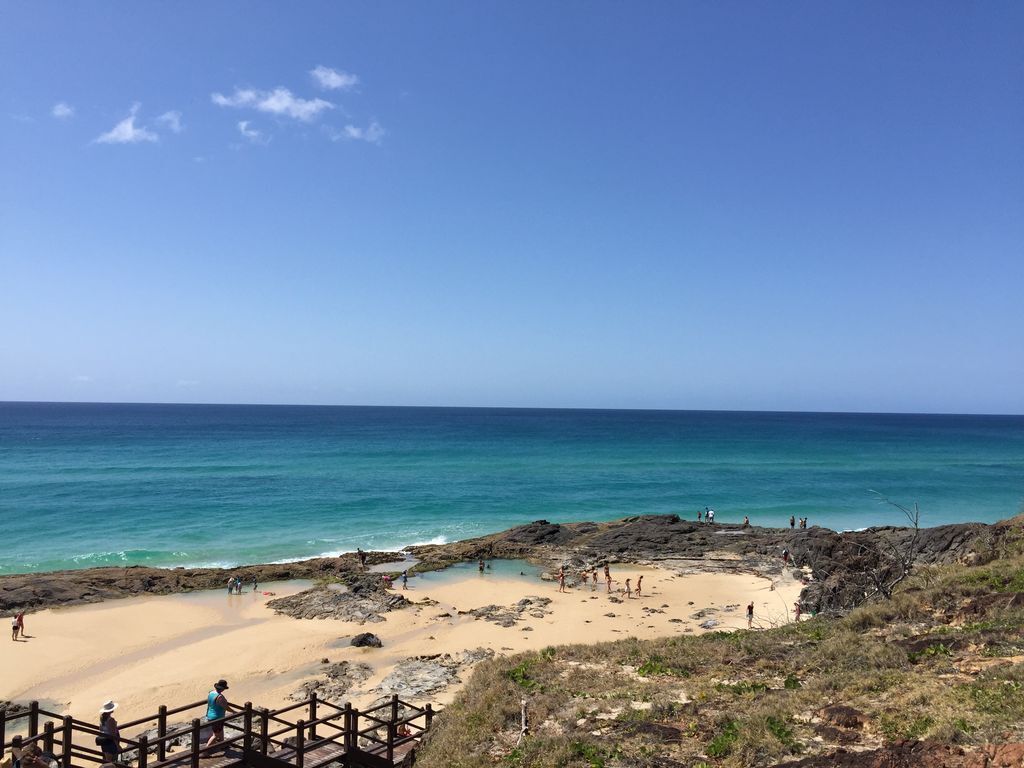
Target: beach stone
709,624
366,640
534,606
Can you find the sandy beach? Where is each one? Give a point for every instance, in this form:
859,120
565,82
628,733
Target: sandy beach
169,649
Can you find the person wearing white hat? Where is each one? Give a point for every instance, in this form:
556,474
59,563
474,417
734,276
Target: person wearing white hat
109,740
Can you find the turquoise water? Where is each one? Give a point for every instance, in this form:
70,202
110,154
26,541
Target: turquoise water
84,485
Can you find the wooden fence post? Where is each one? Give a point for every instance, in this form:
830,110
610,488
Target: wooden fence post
65,742
391,742
312,716
33,718
394,708
355,728
161,731
264,730
347,722
428,716
143,750
247,726
300,743
3,732
196,730
48,737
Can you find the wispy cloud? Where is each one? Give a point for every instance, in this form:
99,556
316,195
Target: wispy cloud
62,110
253,135
172,120
126,132
334,79
373,133
279,101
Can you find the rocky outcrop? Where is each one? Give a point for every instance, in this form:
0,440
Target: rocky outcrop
360,604
420,675
837,560
509,616
336,681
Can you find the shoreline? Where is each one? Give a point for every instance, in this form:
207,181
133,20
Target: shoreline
167,649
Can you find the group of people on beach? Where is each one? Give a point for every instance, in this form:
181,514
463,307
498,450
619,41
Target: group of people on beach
706,515
794,520
235,585
18,626
590,575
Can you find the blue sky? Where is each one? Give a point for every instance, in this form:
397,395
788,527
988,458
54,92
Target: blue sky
800,206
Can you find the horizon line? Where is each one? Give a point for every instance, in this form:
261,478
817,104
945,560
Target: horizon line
502,408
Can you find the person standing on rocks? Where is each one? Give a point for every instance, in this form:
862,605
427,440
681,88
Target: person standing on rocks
216,708
700,516
785,556
362,557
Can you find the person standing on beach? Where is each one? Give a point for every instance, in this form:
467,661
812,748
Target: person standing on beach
639,581
109,740
561,579
216,708
14,628
255,584
20,618
405,579
797,610
628,592
750,614
593,580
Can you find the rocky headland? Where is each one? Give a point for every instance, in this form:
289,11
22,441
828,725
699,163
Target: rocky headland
839,567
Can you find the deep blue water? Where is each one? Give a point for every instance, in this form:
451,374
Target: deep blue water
88,484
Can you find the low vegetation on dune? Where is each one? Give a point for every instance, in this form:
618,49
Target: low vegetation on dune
938,668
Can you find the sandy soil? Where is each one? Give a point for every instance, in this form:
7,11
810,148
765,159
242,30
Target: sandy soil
169,650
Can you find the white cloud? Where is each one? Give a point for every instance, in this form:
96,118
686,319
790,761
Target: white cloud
334,79
256,137
172,120
373,133
62,110
126,132
81,379
279,101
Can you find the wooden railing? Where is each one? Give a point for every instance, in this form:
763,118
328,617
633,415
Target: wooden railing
255,731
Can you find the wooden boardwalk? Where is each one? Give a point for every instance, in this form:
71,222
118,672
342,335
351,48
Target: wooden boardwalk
309,734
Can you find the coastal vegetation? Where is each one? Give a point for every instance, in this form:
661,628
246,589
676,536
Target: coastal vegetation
936,670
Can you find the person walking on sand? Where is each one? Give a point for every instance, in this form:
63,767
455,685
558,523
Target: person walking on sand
593,580
561,579
628,592
750,615
14,628
405,579
216,709
797,610
231,585
109,740
255,584
20,618
639,581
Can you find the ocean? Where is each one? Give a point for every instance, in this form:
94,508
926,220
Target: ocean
102,484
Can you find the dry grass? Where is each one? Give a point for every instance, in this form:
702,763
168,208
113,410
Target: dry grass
750,698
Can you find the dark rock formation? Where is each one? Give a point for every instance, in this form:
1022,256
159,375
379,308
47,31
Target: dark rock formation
360,605
366,640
